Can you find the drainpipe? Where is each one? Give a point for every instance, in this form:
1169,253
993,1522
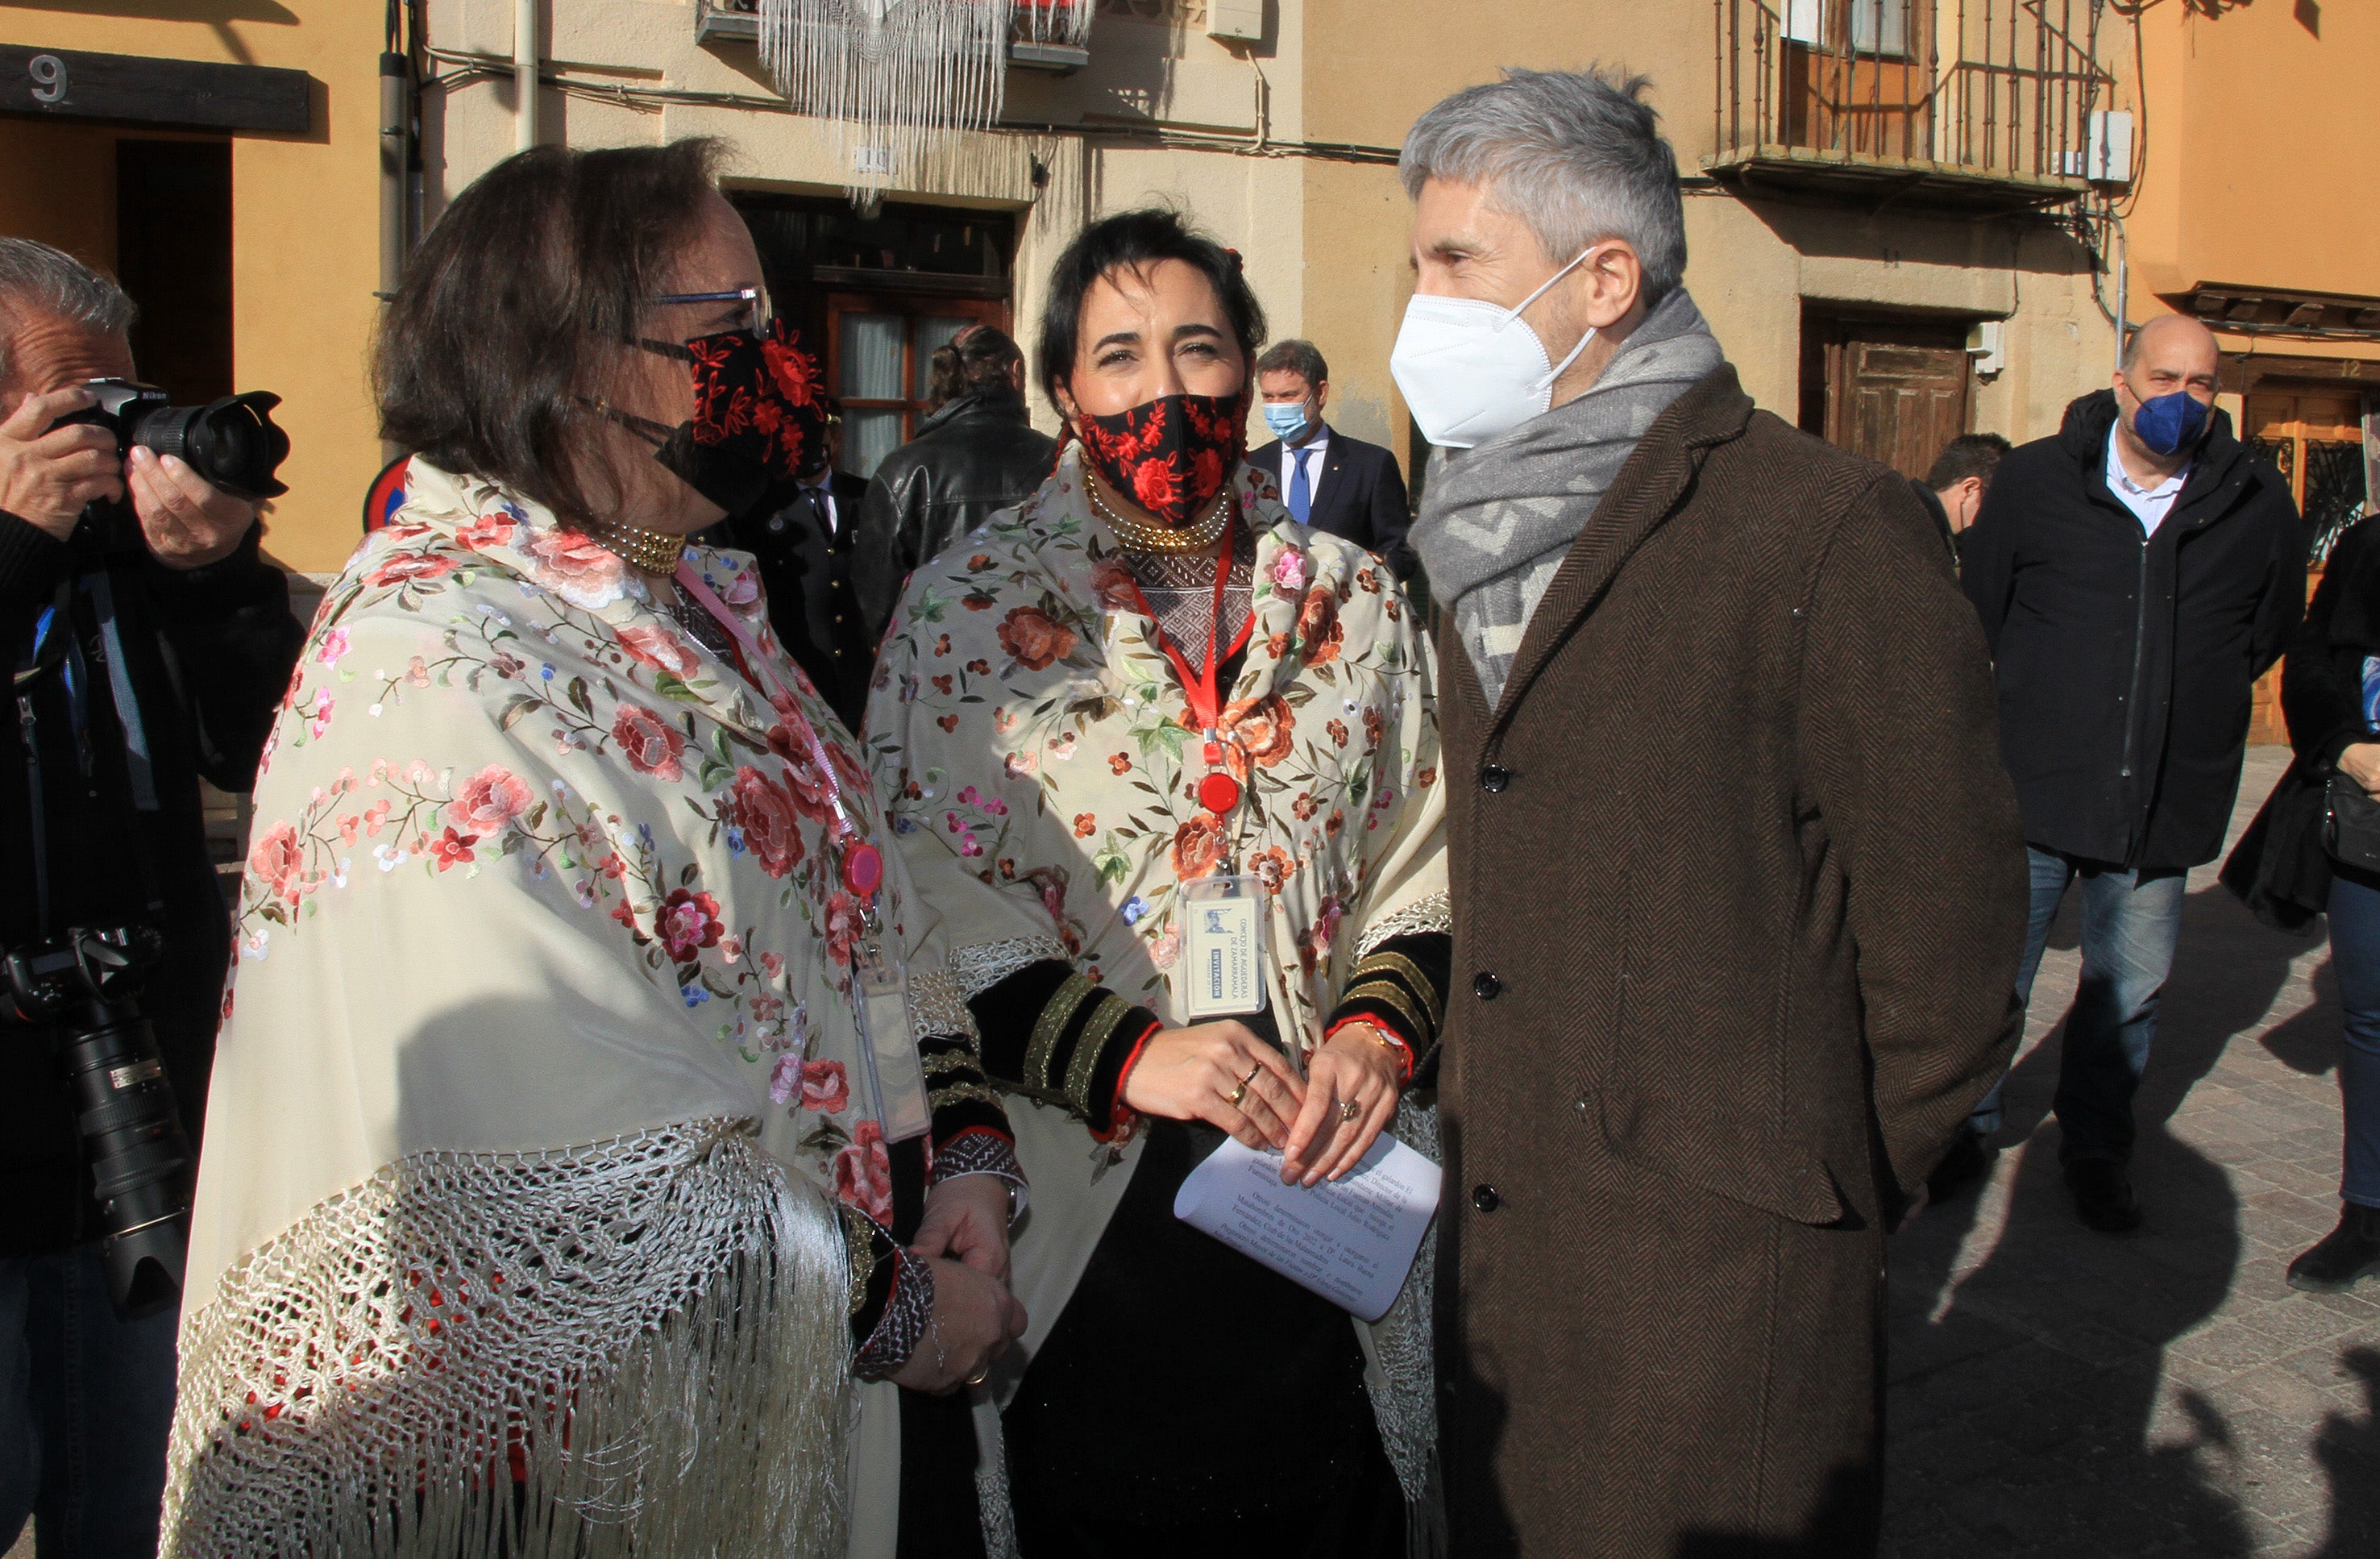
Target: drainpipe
392,173
2123,280
525,52
395,134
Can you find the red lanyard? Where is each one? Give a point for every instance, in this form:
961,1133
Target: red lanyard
1218,792
863,864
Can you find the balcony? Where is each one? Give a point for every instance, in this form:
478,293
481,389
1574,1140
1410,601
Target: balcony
1975,105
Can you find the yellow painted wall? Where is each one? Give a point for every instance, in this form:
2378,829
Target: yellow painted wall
2258,154
305,229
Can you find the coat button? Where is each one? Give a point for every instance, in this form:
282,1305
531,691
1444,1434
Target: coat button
1487,987
1494,778
1487,1199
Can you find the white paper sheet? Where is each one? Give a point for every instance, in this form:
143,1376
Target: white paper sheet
1351,1241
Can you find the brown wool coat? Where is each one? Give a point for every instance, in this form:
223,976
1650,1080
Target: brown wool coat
1738,893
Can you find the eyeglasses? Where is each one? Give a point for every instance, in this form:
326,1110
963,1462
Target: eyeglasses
755,299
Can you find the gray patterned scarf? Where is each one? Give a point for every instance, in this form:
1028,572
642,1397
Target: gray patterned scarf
1495,521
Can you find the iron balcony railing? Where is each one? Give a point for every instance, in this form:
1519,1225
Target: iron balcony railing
1992,90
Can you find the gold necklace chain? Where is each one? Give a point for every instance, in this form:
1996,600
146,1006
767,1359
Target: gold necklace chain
1196,536
651,550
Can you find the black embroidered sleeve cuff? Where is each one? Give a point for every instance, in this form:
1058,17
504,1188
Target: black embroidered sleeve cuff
892,1296
1400,989
1050,1034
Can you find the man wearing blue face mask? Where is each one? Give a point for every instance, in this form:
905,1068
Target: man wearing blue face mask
2135,574
1329,480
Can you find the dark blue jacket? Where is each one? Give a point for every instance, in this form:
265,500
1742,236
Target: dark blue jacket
2126,665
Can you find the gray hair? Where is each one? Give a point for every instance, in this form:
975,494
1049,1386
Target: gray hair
39,280
1301,358
1576,154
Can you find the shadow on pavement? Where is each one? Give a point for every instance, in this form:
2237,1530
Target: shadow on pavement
2023,1390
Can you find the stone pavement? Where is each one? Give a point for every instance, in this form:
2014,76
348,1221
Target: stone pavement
2057,1392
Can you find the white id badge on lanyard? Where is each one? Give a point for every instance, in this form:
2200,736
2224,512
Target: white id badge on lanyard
891,1049
1222,947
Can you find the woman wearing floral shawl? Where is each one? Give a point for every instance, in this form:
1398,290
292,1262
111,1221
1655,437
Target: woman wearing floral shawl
1147,685
587,1056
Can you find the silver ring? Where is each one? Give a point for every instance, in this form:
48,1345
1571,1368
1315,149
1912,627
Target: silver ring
1349,1110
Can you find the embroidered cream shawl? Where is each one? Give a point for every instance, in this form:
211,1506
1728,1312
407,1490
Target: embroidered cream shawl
1041,761
538,1071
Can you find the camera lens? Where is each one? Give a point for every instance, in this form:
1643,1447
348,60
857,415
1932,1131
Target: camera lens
232,443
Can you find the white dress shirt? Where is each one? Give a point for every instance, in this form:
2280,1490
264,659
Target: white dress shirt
2149,505
824,489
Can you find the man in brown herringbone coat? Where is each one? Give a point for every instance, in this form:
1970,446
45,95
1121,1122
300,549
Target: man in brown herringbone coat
1738,884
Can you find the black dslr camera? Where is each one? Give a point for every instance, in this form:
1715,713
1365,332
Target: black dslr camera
86,984
232,443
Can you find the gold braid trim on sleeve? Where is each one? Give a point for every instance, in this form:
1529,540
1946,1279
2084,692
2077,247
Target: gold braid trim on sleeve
1406,969
1112,1009
1047,1030
1389,993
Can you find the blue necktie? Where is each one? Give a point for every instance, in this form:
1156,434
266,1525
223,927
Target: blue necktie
1301,496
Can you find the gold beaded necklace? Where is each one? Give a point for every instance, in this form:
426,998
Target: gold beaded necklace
1196,536
652,551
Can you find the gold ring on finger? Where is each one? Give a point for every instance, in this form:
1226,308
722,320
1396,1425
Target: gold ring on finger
1349,1110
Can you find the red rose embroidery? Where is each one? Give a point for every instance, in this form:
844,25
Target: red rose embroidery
765,812
407,566
1198,846
1318,629
488,531
660,648
863,1173
652,745
1260,730
1112,583
488,801
687,923
824,1087
1029,635
277,859
574,567
844,927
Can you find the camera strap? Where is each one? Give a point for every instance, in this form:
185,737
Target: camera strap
47,653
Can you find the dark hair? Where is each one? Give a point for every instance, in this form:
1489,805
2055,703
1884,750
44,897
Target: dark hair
1969,455
500,329
978,358
1134,240
1294,357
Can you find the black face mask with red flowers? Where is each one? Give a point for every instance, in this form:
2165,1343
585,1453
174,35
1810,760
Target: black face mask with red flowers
1169,456
758,417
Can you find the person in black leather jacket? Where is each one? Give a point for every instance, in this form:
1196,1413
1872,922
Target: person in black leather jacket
973,457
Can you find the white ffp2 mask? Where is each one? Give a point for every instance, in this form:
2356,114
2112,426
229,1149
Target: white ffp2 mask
1471,371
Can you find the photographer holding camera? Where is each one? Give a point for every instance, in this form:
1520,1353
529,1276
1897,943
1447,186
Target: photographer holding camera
148,644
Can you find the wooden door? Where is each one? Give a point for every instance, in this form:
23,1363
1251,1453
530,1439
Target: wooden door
2313,434
1893,390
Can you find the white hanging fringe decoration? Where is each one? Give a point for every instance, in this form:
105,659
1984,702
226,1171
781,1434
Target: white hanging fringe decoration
895,78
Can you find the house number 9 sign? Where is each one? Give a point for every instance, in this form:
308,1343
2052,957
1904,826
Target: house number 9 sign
49,74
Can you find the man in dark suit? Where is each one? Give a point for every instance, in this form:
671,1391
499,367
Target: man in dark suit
802,533
1330,480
